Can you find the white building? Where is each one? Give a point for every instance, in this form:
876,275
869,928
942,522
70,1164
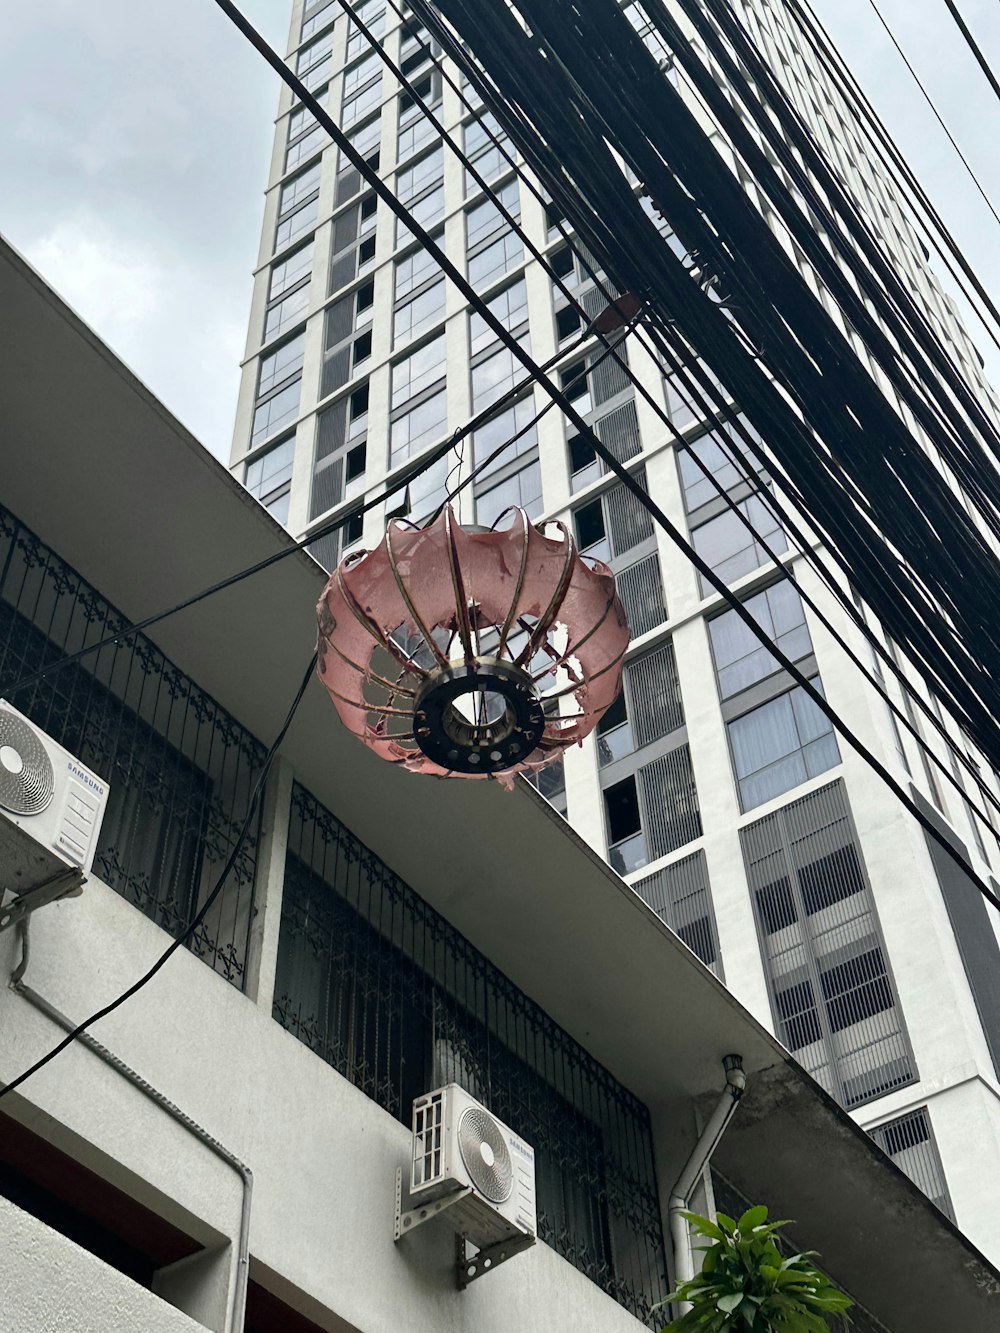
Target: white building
716,788
226,1157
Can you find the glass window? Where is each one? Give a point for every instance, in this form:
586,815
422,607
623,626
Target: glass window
295,191
296,223
317,20
515,421
420,313
509,306
282,316
358,75
486,219
361,103
496,260
372,15
365,140
304,147
420,426
492,378
740,659
283,362
729,547
779,745
524,488
418,371
269,477
314,54
276,412
421,175
413,269
698,489
290,270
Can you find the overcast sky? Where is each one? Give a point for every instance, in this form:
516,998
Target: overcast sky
136,138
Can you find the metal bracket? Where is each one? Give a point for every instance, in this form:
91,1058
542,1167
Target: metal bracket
484,1261
415,1217
56,886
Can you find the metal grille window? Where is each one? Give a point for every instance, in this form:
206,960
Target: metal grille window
179,769
617,430
680,895
386,991
909,1141
341,452
832,994
653,811
617,529
649,707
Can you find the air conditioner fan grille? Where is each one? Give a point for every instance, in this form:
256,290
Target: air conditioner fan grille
485,1154
27,782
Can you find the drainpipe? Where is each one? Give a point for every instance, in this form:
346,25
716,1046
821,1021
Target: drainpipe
680,1195
17,984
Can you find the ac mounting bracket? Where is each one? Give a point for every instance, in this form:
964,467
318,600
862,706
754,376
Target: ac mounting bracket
484,1261
411,1218
54,887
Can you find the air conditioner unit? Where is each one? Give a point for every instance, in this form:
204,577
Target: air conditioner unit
51,807
459,1145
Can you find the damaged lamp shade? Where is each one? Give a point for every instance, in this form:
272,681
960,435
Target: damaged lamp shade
471,652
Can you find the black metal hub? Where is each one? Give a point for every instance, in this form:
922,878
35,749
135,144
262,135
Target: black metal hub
479,719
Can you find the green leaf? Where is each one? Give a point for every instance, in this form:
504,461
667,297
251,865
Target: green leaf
753,1217
727,1223
727,1304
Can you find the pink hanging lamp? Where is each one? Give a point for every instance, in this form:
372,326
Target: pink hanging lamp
471,652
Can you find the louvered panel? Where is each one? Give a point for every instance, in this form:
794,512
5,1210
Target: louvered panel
336,371
910,1144
345,230
348,184
327,487
339,322
342,271
619,432
628,522
679,894
331,427
593,301
326,550
654,695
641,592
609,378
670,802
831,991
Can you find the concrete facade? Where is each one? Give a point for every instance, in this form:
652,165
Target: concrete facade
952,1081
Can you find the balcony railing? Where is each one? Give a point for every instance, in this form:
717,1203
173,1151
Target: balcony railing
179,768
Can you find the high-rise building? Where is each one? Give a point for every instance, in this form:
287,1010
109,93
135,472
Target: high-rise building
714,786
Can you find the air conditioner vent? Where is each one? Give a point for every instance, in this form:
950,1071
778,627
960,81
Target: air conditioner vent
27,779
485,1154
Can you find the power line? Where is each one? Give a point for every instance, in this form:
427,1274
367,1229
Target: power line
937,115
611,462
199,917
973,46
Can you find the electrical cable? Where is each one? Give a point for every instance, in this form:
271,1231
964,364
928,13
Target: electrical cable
199,916
937,115
660,518
851,611
973,46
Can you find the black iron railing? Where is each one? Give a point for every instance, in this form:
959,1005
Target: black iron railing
178,767
379,985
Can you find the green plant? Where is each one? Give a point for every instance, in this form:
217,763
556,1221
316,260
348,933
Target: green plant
746,1285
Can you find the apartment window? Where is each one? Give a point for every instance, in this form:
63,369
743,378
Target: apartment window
317,18
340,456
285,313
304,136
909,1141
295,191
275,412
490,158
718,534
314,63
421,187
356,76
510,307
288,292
779,745
417,372
415,127
358,104
831,991
298,205
269,478
281,364
372,15
496,375
414,427
513,477
485,220
652,812
419,313
741,660
291,270
680,895
498,258
522,487
413,270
